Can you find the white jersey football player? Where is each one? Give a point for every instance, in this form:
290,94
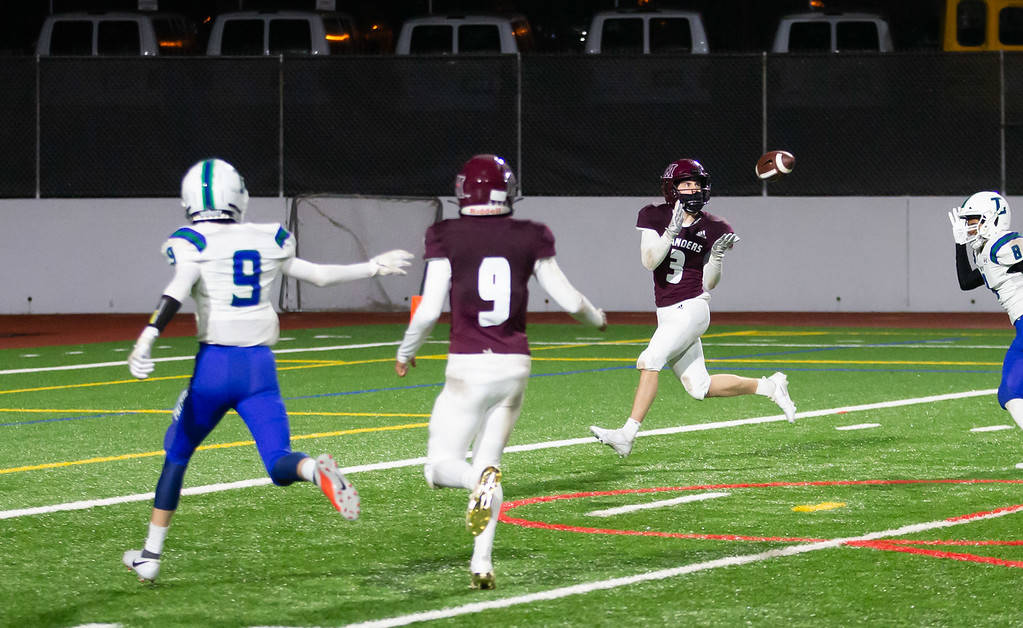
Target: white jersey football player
227,267
982,223
684,246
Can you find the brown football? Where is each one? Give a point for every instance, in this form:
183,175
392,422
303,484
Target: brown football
774,164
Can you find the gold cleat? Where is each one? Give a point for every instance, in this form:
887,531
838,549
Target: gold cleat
483,581
479,511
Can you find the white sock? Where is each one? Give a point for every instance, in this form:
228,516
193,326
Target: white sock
483,545
154,542
1015,408
631,428
765,387
307,470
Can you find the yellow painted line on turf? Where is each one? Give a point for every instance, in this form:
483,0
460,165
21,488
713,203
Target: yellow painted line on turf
875,362
241,443
443,356
318,364
121,411
821,506
84,410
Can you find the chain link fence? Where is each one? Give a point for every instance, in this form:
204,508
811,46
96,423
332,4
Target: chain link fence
570,125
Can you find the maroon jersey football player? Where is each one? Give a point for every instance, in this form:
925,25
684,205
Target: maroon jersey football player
483,260
684,246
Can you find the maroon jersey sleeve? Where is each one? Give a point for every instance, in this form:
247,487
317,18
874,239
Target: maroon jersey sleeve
434,247
654,217
492,259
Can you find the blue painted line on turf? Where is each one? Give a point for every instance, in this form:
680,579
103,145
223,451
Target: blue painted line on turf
68,418
362,392
820,349
575,372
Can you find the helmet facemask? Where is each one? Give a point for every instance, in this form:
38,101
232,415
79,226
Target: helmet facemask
692,199
686,170
992,213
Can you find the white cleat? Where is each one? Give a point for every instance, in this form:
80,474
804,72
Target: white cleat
482,580
337,488
145,564
480,508
613,439
481,574
781,396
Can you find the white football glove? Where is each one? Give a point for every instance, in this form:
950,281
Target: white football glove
677,216
959,228
139,362
722,244
392,262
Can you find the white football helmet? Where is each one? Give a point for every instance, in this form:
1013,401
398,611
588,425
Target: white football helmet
214,190
993,213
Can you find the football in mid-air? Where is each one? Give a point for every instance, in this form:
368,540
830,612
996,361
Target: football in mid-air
774,164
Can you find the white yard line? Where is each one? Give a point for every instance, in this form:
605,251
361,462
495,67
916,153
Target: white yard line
176,358
992,428
664,503
858,426
662,574
410,462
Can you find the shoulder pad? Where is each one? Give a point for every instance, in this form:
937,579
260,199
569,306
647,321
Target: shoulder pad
282,236
1002,252
192,236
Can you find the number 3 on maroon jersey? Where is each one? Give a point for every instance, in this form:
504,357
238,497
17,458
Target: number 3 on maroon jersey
676,264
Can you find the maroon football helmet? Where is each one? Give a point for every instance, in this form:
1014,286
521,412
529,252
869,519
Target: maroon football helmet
485,186
683,170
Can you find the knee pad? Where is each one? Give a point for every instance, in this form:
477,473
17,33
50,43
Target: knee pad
647,361
696,384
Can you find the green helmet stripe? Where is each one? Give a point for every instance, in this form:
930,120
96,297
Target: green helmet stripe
207,184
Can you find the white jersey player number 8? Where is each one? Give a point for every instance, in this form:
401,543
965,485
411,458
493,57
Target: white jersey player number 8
677,263
494,284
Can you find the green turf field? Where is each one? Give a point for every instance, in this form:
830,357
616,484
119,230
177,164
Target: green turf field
913,518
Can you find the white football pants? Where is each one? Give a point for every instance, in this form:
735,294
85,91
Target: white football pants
676,343
480,403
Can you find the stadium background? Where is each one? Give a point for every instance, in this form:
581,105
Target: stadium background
885,144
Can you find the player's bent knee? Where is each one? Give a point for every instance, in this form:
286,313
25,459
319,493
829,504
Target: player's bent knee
696,387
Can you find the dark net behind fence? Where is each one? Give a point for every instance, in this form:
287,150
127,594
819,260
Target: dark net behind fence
859,124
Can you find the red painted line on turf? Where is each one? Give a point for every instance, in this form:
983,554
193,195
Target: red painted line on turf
951,542
889,546
981,514
704,487
893,545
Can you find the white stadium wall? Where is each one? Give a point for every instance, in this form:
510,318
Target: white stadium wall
823,254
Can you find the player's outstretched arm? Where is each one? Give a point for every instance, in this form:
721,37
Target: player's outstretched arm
390,263
969,277
554,281
140,362
653,248
712,267
435,289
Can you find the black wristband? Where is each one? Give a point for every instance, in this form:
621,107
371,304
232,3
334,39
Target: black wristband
164,312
